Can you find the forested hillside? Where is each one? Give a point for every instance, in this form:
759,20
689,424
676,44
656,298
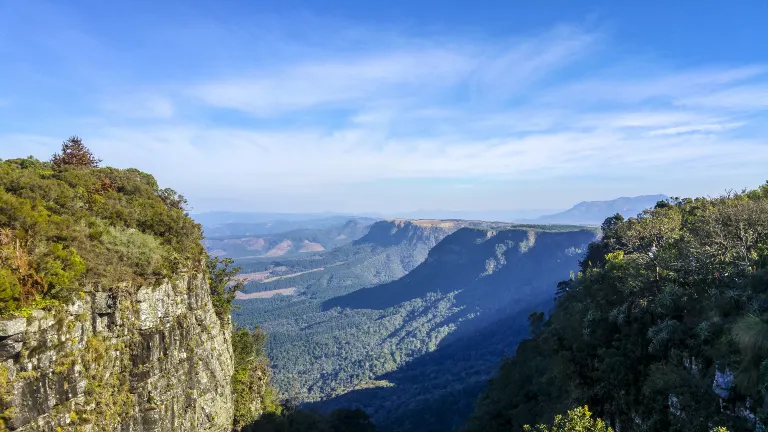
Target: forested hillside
665,328
350,327
483,284
297,324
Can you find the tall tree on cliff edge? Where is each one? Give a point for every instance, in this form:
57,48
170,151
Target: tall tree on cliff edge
74,154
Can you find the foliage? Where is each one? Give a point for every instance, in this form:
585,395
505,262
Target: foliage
400,361
68,222
253,394
576,420
74,155
221,279
291,419
663,329
5,397
108,394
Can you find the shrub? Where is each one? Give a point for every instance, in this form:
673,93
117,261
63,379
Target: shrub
576,420
253,393
68,222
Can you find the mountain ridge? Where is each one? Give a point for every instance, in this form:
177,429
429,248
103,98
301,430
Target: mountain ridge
595,212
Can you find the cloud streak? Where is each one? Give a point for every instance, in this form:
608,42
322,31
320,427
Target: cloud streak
552,111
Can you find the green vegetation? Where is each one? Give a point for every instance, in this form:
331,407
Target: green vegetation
251,387
415,352
223,286
576,420
5,397
109,393
68,223
292,419
665,328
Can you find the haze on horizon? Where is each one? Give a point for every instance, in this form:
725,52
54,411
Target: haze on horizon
392,106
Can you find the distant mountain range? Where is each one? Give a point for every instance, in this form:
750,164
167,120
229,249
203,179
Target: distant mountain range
595,212
254,240
486,215
218,218
583,213
276,226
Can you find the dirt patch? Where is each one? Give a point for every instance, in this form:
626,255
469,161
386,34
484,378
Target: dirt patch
281,249
292,275
265,294
253,243
252,277
308,246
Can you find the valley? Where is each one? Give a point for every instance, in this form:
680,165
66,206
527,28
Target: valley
266,216
425,324
383,319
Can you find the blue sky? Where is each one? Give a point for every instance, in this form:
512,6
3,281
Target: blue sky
393,106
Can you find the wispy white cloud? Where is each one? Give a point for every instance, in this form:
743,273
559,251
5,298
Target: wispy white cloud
298,127
695,128
514,66
140,106
747,97
336,82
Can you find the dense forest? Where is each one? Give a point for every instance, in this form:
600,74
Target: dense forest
665,327
391,348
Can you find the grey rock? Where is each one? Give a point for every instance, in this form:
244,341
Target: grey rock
162,346
103,303
11,346
12,327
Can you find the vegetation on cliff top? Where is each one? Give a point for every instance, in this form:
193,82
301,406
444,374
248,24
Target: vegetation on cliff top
664,328
68,223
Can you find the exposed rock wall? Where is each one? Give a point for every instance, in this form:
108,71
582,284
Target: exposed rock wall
138,360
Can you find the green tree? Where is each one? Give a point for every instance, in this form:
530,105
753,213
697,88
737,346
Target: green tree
251,387
351,420
665,304
221,278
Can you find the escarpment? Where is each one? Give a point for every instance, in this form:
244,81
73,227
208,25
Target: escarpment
109,321
142,359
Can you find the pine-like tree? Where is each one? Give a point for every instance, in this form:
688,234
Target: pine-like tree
74,154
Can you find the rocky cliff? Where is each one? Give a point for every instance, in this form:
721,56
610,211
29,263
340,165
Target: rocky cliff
124,359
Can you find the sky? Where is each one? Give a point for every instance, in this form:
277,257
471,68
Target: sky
394,106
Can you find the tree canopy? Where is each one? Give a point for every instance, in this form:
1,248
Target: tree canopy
665,328
67,223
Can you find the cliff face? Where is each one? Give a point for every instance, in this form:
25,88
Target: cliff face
398,231
146,359
488,266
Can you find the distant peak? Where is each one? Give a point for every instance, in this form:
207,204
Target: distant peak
594,212
352,223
